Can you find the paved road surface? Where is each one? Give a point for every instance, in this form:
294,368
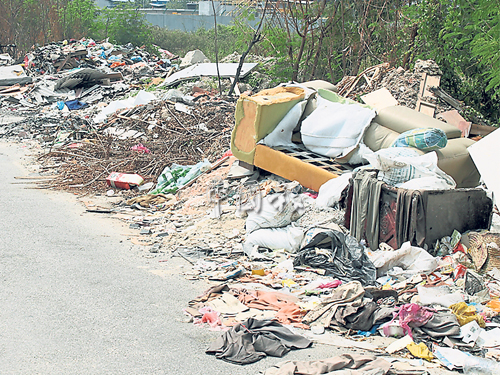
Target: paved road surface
74,299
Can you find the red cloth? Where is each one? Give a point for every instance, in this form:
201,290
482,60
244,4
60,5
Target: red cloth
288,312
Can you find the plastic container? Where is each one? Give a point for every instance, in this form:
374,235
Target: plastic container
481,366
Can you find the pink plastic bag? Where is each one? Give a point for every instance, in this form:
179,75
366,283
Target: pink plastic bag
413,314
140,148
212,318
331,284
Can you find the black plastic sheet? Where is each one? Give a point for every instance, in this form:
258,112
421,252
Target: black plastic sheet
340,255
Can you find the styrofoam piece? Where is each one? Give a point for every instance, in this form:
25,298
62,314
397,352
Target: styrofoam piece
485,154
226,70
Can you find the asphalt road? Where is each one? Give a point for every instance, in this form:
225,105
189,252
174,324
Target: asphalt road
74,298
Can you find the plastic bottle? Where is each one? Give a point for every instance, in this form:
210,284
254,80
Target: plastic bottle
481,366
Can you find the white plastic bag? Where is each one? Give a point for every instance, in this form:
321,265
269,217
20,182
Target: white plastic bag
276,211
410,258
399,165
438,295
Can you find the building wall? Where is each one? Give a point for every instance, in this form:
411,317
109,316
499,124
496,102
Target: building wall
185,22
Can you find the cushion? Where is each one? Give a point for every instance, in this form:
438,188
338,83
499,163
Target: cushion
401,119
378,137
429,139
455,160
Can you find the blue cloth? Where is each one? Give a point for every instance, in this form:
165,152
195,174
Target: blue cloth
75,104
370,332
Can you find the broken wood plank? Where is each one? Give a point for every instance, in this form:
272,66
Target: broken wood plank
454,118
425,107
440,93
476,129
236,88
427,82
380,98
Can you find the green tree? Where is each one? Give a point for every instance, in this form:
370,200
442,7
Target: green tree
125,25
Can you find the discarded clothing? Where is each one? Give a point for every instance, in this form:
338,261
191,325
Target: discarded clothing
227,304
413,315
466,314
352,364
367,316
252,340
288,312
340,255
411,217
213,292
420,350
365,208
442,323
75,104
346,298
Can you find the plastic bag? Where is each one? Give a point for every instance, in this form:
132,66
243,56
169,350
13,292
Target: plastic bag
439,295
410,258
425,139
174,177
276,211
340,255
399,165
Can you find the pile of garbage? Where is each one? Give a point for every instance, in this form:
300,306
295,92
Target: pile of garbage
409,88
97,108
281,265
285,266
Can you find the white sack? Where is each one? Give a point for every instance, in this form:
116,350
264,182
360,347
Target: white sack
288,238
330,192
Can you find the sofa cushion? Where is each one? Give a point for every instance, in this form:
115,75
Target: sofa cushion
378,137
455,160
401,119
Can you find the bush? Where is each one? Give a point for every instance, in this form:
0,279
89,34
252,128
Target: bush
181,42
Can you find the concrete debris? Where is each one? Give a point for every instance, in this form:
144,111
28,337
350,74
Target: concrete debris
193,57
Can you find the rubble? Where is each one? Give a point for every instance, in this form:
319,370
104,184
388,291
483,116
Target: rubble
284,268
